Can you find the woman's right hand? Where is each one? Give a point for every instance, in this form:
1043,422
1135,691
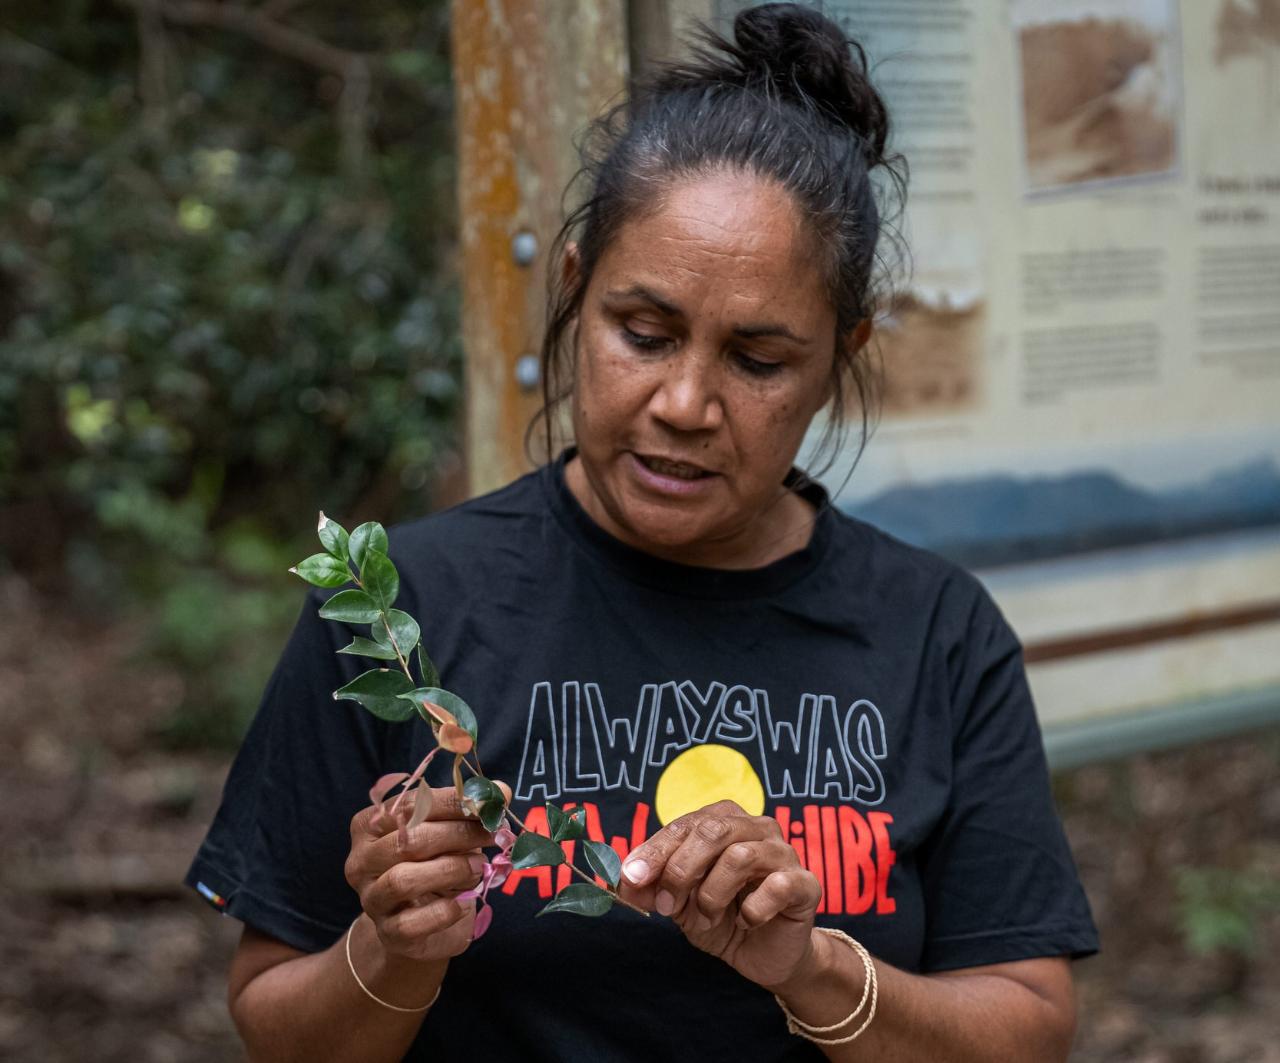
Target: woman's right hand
408,891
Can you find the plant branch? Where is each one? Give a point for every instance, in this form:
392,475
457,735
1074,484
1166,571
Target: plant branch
258,25
571,866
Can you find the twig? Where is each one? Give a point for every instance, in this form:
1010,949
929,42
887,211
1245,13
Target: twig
256,24
572,867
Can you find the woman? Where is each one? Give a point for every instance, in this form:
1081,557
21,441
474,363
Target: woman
788,720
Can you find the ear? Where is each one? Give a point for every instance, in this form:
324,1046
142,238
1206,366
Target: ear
860,334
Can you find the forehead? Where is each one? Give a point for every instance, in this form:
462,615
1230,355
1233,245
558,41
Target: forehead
724,230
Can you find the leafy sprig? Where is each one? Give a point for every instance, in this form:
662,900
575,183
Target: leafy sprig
397,693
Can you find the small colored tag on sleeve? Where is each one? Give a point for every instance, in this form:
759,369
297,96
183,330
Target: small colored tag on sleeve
216,899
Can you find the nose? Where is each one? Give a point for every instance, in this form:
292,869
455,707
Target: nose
687,397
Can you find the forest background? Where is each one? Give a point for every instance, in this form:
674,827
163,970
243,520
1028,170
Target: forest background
229,298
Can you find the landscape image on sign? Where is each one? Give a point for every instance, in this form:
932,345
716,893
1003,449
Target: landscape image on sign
1099,90
930,345
1103,499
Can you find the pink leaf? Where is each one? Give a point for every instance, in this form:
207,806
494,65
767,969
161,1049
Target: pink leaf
483,918
504,838
417,774
384,785
378,792
467,895
499,869
422,802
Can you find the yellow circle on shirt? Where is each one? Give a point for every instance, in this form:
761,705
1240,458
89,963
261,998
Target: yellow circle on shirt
704,775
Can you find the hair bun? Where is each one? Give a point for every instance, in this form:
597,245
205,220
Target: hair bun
806,57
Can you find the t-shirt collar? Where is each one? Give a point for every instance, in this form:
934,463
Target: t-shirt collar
693,580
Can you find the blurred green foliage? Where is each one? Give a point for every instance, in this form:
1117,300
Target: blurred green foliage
1222,909
226,301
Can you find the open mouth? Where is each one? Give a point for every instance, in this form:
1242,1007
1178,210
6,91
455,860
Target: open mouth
675,469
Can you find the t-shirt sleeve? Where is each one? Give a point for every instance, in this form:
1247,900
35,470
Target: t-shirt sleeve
274,855
998,876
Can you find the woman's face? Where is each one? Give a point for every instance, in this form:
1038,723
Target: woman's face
705,345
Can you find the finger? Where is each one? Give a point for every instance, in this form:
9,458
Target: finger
792,894
740,865
445,805
409,881
409,930
667,866
426,841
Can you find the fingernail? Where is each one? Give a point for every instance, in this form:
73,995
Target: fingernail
665,903
477,863
637,871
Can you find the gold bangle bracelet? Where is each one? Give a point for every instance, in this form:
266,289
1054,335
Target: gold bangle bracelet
870,993
369,992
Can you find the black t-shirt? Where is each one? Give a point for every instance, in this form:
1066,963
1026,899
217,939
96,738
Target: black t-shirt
865,693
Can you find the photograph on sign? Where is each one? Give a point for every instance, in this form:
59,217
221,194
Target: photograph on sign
1099,90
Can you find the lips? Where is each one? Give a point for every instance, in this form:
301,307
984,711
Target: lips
680,470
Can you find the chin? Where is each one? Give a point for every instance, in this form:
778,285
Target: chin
663,527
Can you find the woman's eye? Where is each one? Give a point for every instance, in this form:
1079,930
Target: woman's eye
642,340
755,366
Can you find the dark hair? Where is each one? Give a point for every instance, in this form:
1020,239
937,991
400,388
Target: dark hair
789,99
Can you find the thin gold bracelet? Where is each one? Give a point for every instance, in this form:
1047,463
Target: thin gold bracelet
369,992
870,992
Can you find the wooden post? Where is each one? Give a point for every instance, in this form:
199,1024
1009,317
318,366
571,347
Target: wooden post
528,77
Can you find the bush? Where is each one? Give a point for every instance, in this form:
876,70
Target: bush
225,302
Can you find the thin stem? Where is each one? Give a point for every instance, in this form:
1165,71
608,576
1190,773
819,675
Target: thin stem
404,665
572,867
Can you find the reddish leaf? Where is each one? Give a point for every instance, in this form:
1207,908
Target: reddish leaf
483,918
441,715
378,792
418,772
454,739
504,838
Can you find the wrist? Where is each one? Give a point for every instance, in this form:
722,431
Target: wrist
400,976
813,969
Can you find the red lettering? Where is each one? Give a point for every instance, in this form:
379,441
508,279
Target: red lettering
535,820
885,859
831,857
859,868
639,831
790,830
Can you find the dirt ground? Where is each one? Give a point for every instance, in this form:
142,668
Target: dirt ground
104,957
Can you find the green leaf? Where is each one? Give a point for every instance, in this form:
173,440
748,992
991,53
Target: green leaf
333,537
580,898
533,850
564,825
430,676
460,709
403,627
369,648
487,799
351,607
366,537
322,570
381,580
604,861
378,691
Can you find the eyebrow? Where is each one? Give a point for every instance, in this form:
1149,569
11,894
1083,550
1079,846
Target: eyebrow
746,332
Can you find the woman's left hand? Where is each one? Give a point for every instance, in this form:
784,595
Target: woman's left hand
734,886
